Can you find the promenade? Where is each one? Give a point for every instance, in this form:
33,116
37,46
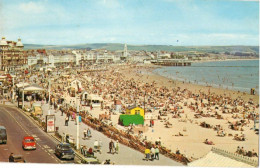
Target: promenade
126,155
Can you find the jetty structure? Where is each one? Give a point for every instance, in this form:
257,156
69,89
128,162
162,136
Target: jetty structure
171,62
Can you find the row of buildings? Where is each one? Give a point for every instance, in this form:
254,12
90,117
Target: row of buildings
12,54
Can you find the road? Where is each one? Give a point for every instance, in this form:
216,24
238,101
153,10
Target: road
18,125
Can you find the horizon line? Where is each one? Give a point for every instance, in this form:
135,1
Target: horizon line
130,44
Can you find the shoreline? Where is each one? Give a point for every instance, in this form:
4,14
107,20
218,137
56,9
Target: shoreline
211,86
195,135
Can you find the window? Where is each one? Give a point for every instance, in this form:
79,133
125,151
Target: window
137,112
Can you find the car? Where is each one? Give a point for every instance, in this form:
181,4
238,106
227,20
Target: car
19,159
64,151
90,161
3,135
29,143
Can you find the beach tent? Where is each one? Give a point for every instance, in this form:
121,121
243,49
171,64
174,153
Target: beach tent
126,120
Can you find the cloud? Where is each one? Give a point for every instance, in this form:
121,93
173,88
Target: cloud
32,7
214,39
109,3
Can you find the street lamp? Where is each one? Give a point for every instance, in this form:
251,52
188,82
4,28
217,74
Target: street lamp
13,89
23,91
49,111
77,144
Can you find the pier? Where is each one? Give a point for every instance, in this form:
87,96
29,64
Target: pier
171,62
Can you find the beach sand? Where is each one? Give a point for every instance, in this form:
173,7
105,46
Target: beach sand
191,144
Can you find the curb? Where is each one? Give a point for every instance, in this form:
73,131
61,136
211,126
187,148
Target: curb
79,156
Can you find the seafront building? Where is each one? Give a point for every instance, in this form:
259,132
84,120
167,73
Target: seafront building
12,54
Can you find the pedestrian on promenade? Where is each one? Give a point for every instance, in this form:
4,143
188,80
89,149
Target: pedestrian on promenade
90,152
85,133
68,114
11,158
147,153
66,121
62,111
111,147
152,153
157,153
96,145
116,147
89,133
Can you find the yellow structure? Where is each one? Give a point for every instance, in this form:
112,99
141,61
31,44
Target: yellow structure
133,110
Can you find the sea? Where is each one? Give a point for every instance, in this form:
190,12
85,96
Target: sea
239,75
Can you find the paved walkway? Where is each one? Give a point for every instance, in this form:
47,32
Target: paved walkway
126,156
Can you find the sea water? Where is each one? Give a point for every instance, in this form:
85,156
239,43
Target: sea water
239,75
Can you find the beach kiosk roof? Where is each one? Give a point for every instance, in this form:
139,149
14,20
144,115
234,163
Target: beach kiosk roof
131,107
33,88
94,97
20,85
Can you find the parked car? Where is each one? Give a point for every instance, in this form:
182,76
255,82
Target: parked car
19,159
90,161
37,109
3,135
28,143
64,151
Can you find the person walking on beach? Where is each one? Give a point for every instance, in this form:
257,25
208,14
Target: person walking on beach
156,153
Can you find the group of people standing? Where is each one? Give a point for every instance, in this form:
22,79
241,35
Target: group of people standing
87,133
151,154
113,147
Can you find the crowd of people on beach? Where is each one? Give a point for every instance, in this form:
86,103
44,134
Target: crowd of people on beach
165,103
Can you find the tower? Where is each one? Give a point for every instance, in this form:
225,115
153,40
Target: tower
125,51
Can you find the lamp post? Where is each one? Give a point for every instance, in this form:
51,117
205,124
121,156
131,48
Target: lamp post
77,144
144,101
49,111
23,91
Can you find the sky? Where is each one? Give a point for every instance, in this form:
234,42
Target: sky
158,22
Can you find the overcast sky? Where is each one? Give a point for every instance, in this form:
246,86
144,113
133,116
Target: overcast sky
168,22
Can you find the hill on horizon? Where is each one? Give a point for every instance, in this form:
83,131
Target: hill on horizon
119,46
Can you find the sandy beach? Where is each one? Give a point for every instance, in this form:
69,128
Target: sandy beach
184,114
191,143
